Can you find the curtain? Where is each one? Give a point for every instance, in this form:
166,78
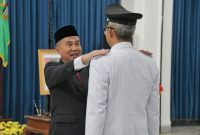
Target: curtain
32,24
185,81
88,18
28,21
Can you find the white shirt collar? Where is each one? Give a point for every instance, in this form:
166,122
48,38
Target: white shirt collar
121,45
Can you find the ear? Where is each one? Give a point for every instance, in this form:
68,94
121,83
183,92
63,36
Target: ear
58,49
111,33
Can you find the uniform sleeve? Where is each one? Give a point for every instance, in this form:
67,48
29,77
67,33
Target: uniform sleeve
153,108
78,65
97,96
56,73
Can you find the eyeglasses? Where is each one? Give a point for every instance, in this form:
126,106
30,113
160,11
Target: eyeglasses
108,27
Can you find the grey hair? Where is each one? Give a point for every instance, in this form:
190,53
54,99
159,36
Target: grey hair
123,32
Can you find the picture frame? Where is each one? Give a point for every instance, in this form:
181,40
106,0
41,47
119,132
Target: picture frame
45,56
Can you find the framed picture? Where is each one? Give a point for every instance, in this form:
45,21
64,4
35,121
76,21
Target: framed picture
44,56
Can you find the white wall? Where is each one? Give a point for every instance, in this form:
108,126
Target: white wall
166,64
148,29
148,36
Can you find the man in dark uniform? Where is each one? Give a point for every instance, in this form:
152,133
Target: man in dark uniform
68,84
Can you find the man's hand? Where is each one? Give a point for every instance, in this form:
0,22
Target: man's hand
87,57
145,52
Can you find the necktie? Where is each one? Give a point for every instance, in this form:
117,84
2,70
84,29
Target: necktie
78,76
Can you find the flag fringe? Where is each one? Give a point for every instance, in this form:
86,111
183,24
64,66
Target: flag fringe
5,63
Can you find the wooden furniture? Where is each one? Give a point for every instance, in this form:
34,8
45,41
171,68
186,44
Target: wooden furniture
5,119
37,125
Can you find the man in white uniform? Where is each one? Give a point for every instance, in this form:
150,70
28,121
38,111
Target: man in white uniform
123,95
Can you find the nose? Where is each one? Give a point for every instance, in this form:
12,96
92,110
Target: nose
74,48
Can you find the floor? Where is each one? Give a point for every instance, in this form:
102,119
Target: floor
184,130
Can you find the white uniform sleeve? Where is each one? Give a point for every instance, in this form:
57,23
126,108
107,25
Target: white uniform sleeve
153,109
97,96
78,64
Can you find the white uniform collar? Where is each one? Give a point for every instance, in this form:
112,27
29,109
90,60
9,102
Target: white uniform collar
121,45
